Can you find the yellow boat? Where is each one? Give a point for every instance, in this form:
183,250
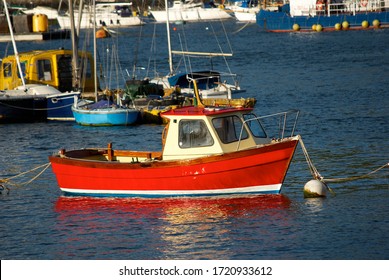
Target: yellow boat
50,67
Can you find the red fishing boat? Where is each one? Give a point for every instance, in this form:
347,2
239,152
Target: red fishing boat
205,151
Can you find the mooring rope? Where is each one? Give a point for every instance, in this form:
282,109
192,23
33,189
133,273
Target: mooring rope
8,180
243,27
339,180
312,168
316,174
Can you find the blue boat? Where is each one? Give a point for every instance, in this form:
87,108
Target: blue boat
322,15
35,103
59,106
103,113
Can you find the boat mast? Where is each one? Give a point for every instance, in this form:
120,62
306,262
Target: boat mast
94,48
14,44
169,46
75,65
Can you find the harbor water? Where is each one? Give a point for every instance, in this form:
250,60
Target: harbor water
339,81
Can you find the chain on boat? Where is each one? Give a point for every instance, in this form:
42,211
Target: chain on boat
4,181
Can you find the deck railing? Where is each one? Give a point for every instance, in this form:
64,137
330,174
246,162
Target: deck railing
350,6
282,124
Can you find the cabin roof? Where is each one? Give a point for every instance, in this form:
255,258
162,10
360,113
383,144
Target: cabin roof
199,111
29,54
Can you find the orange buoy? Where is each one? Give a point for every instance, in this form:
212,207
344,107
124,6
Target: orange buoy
102,33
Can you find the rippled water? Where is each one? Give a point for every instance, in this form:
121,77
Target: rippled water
340,83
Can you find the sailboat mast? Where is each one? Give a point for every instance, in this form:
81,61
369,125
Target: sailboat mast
169,46
76,76
14,43
94,47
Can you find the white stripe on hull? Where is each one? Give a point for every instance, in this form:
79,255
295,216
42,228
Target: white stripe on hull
275,188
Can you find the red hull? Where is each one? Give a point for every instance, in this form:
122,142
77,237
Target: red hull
259,170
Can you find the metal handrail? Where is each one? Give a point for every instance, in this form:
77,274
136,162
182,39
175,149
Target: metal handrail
282,123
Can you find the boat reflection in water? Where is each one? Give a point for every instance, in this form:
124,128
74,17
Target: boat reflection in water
172,228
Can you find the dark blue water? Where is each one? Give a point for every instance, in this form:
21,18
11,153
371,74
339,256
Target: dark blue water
340,83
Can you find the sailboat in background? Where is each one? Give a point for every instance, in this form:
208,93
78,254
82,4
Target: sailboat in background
209,82
118,14
31,102
102,112
187,10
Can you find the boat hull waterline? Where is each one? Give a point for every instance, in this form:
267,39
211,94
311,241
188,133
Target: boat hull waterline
260,170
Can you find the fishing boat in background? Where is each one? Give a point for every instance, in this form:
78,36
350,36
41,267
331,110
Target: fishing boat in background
26,93
111,15
201,150
306,15
188,10
47,67
49,73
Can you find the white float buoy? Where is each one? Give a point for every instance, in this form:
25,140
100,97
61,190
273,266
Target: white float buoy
315,188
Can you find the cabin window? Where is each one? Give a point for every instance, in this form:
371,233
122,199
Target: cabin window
23,67
7,70
44,70
194,134
229,129
255,125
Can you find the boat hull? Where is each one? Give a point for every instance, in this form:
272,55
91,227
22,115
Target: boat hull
23,108
106,19
283,22
191,15
105,117
260,170
59,106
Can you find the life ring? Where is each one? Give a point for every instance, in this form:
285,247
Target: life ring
364,3
319,5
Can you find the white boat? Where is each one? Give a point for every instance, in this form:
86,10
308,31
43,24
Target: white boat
107,14
51,13
244,10
187,10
